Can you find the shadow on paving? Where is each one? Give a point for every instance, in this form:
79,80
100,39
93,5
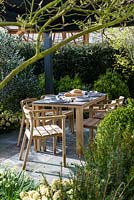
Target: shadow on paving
8,145
42,162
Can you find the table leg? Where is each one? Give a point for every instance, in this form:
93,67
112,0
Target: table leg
79,131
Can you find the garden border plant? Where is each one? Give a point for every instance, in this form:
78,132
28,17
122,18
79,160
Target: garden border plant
23,85
12,183
112,84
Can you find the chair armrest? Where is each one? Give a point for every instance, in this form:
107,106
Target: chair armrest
51,117
106,106
99,107
43,111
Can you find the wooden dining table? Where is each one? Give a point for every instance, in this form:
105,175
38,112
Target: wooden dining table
78,106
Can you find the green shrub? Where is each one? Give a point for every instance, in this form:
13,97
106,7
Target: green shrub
112,84
8,119
90,184
23,85
67,83
115,147
12,183
107,171
87,61
122,41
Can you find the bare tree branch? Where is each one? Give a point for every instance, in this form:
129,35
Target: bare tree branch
93,15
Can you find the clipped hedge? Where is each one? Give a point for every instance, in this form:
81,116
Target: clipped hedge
112,84
67,83
87,61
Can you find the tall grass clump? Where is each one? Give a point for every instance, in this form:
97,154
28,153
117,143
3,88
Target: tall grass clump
12,183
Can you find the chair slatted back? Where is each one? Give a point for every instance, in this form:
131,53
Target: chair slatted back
111,106
120,100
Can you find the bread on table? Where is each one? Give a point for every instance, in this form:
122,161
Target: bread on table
74,93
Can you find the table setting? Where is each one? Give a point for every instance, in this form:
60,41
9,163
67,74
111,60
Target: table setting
75,95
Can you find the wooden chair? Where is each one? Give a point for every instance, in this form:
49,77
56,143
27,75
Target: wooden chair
69,113
35,129
100,110
28,103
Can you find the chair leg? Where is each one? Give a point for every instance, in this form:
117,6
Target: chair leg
44,143
27,152
54,144
21,130
22,147
64,147
35,145
38,145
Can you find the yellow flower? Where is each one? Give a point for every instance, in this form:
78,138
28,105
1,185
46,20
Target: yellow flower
44,198
31,193
70,191
57,195
44,190
8,124
23,194
66,184
56,184
25,198
36,196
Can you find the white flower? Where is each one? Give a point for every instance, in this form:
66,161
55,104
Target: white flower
25,198
44,190
57,195
36,196
23,194
31,193
44,198
56,184
8,124
66,184
70,191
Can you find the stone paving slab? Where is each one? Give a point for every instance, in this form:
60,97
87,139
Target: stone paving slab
8,145
48,165
42,162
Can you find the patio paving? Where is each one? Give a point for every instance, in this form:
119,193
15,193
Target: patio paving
42,162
